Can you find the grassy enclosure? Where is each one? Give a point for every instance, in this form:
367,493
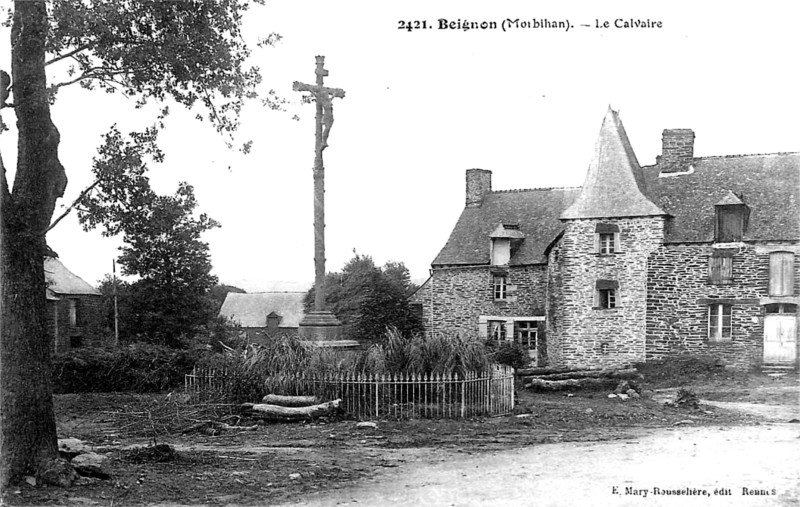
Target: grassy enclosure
422,376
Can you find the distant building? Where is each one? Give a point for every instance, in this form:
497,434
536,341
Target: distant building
265,315
74,308
691,255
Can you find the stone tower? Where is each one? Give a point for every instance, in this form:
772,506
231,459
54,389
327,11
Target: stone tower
598,268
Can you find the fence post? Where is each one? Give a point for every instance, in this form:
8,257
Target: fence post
377,384
463,397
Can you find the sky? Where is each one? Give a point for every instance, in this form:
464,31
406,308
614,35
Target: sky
425,105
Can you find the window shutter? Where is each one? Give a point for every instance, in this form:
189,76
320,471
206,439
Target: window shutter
483,329
596,298
781,274
596,243
616,243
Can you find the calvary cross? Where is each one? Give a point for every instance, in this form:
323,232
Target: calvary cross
323,96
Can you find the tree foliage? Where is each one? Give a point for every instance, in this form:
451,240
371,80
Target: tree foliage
367,299
163,248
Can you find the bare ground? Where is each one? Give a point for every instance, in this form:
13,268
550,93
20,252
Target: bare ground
316,461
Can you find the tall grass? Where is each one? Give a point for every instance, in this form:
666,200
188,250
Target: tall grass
256,370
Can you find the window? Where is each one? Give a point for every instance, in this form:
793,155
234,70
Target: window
719,322
499,287
73,312
720,267
606,239
781,274
607,298
501,251
497,330
731,222
780,308
605,294
606,243
526,333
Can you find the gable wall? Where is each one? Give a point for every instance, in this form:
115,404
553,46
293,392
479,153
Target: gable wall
454,298
88,328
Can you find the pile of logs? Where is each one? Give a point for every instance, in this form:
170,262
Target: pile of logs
275,407
558,379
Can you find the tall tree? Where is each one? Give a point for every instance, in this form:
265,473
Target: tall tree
367,299
163,248
189,52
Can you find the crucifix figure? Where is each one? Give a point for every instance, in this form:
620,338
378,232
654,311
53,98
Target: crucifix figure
323,96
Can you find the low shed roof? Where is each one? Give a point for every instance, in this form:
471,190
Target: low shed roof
61,281
251,310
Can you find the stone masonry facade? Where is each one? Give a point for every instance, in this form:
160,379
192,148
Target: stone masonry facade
583,335
87,330
679,292
454,298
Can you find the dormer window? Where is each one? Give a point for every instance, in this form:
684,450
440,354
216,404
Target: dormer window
606,239
505,240
501,251
731,215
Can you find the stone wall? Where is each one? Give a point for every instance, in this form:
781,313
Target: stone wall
453,298
86,333
582,335
678,294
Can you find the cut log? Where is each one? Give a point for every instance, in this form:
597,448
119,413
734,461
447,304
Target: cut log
290,401
547,370
279,413
629,373
560,385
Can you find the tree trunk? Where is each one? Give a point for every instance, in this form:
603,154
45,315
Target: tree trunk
278,413
629,373
580,383
547,370
27,422
290,401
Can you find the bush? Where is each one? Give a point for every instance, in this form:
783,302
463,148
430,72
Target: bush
138,367
511,354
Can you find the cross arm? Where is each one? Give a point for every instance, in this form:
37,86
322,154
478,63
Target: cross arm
318,90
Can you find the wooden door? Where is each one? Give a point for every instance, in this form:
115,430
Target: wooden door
780,338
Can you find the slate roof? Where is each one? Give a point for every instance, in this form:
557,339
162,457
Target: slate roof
251,310
768,184
614,185
535,210
62,281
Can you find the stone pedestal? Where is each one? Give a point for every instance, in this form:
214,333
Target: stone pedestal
323,329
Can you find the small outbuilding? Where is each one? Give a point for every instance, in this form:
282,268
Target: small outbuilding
264,315
74,308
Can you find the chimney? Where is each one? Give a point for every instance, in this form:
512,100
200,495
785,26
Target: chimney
677,150
479,183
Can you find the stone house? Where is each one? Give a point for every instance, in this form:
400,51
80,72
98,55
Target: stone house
74,308
690,255
264,315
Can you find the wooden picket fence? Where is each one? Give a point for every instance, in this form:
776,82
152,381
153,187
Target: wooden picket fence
399,396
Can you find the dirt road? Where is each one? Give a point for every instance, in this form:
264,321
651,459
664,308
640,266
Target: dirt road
681,466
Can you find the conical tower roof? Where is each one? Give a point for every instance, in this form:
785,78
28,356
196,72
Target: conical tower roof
614,185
